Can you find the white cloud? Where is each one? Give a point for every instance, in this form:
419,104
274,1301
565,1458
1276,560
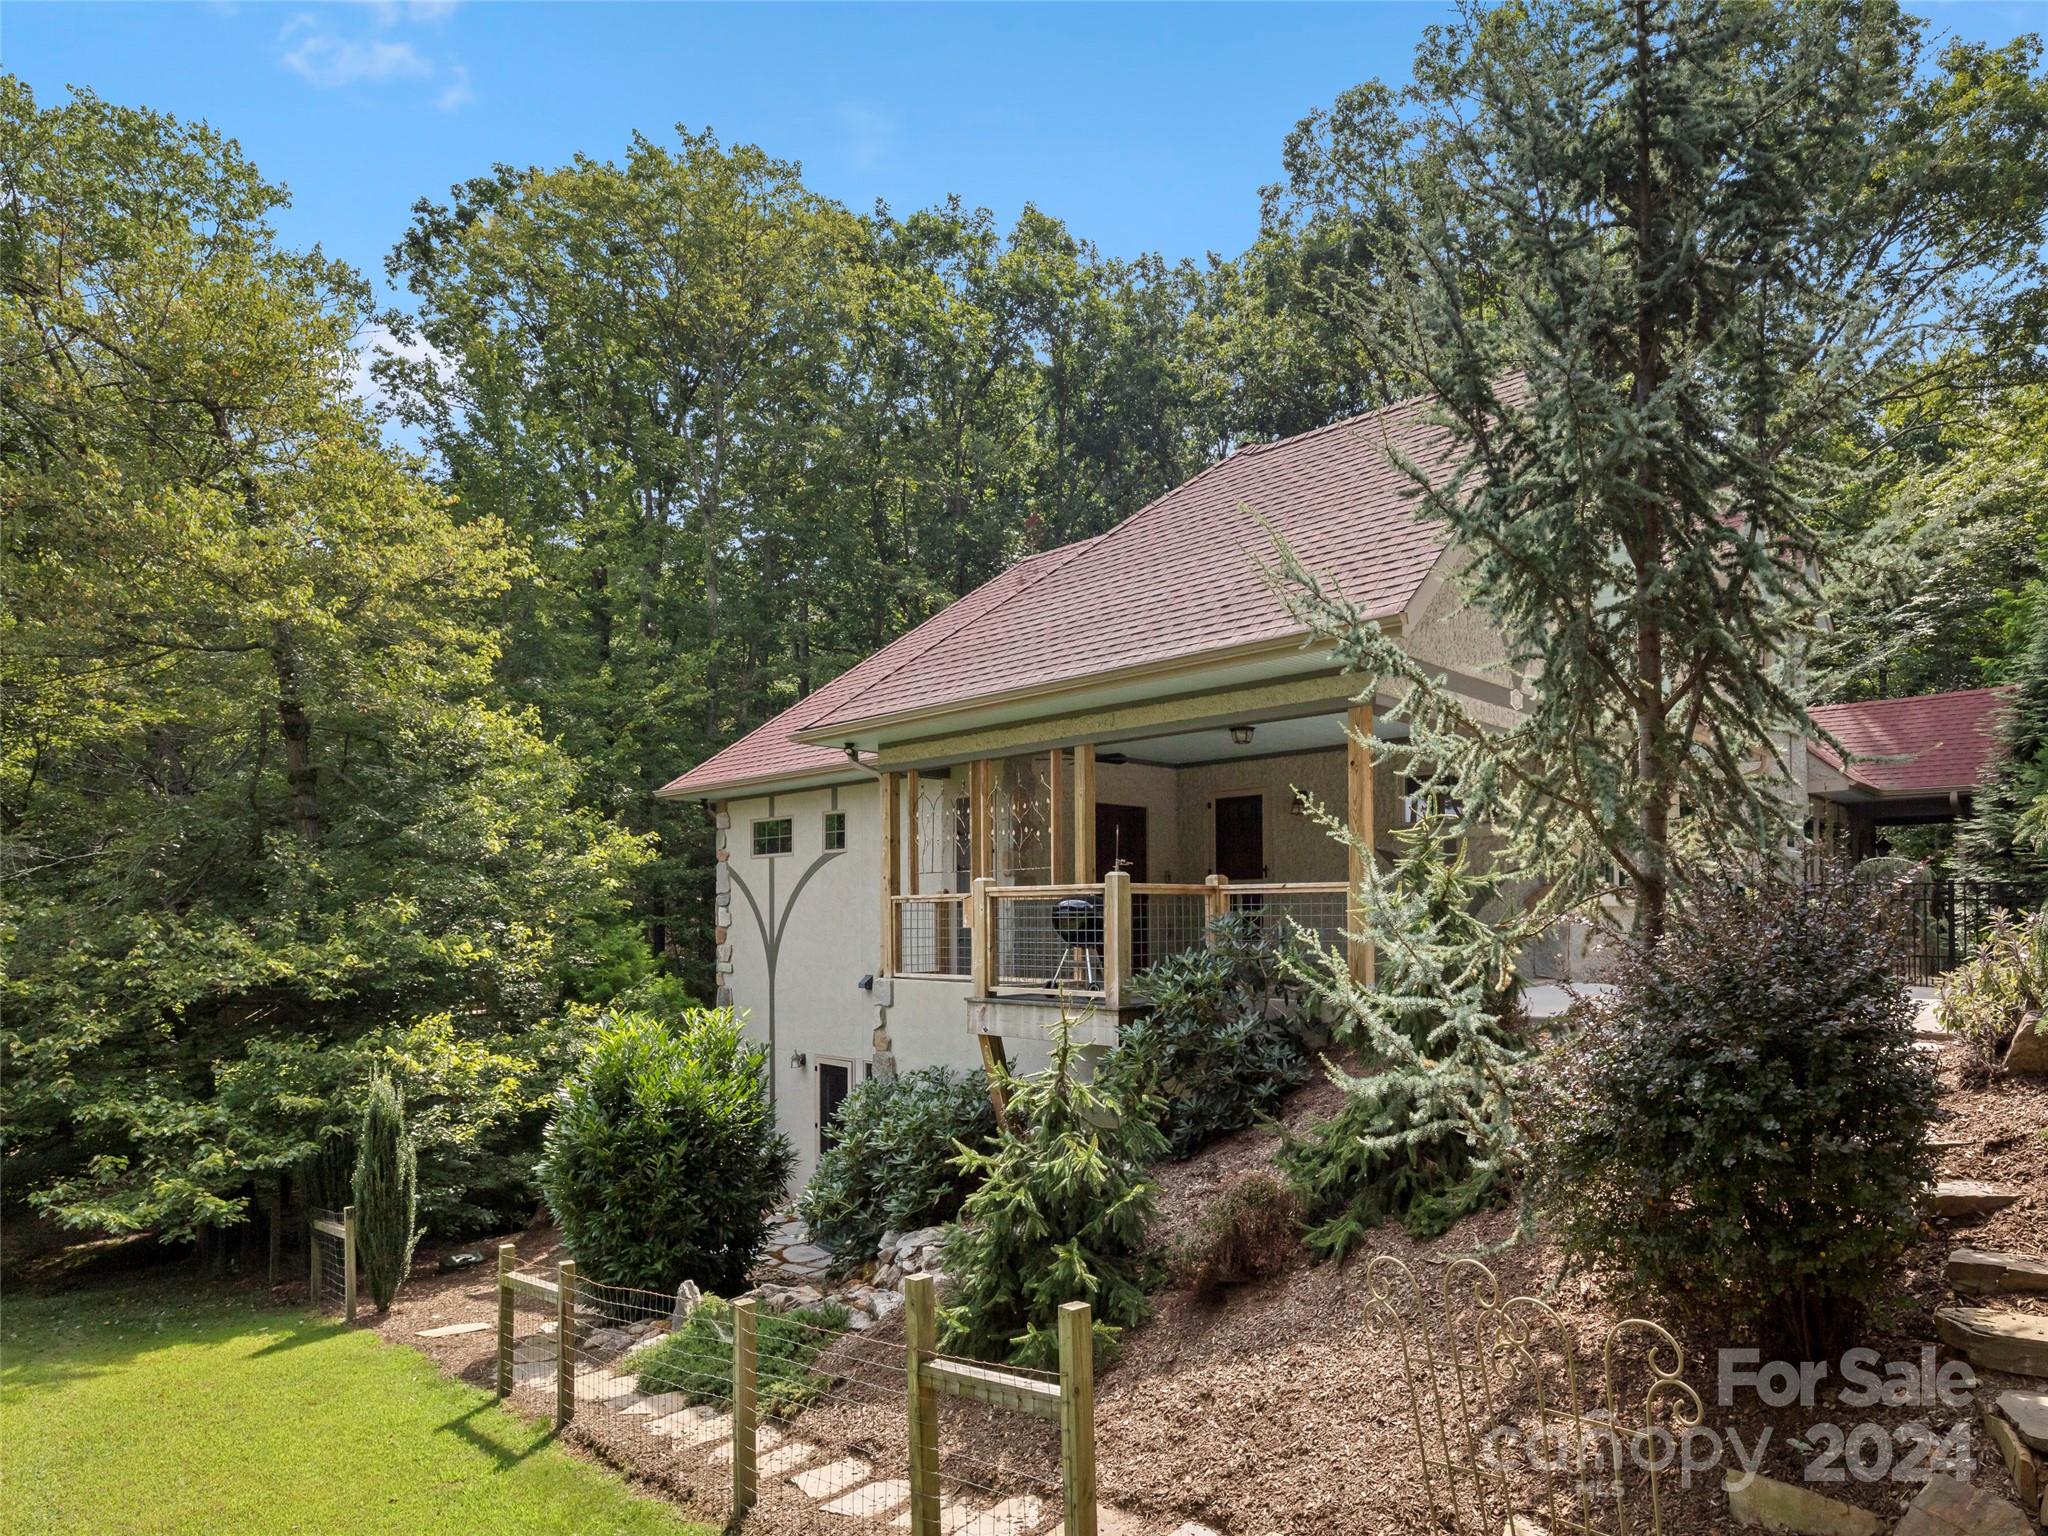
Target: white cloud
456,94
378,343
330,62
334,58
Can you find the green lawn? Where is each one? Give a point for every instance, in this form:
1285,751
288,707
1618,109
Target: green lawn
168,1407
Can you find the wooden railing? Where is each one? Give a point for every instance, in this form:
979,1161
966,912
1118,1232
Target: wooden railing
1022,943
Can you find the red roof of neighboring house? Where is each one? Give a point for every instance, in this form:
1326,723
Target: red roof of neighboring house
1177,579
1933,744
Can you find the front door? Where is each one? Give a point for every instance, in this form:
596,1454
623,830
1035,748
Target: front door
1241,837
1120,840
835,1082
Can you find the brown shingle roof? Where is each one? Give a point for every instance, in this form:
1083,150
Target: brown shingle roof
1933,744
1176,580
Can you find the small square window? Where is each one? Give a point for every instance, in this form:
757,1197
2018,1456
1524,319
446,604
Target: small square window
835,831
775,835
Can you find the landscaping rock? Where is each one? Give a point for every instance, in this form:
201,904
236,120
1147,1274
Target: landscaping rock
1947,1507
1776,1506
1996,1340
1981,1272
2028,1413
1964,1198
451,1262
2020,1460
2029,1049
832,1478
449,1330
688,1300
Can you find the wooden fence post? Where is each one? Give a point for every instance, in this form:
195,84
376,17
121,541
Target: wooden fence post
921,1339
313,1248
982,964
348,1261
1077,1417
1116,941
506,1259
1215,904
565,1342
746,1413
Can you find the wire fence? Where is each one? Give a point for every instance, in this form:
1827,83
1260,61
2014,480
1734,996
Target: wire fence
1049,939
799,1416
1167,920
1281,911
933,938
331,1250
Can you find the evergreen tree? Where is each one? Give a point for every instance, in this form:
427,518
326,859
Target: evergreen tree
1060,1214
386,1192
2006,837
1429,1132
1647,260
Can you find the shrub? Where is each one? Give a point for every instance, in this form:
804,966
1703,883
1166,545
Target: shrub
1430,1133
386,1192
1212,1053
662,1161
1742,1123
1058,1214
2005,979
696,1359
1252,1231
893,1165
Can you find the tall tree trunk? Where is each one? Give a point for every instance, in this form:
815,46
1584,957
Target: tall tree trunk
1654,765
295,729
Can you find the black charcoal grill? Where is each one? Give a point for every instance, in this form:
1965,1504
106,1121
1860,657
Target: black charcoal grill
1077,920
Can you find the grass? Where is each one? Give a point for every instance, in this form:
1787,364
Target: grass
171,1407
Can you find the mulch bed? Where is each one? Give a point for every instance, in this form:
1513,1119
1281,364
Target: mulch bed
1280,1409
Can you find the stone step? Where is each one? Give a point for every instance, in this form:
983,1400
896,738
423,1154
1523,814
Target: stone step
1962,1199
1983,1272
1776,1506
1994,1339
2021,1462
870,1500
835,1477
2027,1412
1947,1507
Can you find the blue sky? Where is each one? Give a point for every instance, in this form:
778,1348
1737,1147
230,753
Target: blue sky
1146,127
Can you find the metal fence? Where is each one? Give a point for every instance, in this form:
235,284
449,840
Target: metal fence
1037,947
331,1249
815,1419
1167,920
1283,910
932,936
1942,920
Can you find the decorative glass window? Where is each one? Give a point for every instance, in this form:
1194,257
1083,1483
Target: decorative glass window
835,831
775,835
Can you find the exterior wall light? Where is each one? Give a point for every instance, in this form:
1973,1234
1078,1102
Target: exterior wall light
1241,734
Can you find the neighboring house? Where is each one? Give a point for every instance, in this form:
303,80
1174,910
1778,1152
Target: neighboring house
1123,726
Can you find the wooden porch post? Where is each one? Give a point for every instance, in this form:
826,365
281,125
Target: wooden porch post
1062,815
1116,936
981,819
1084,813
892,815
913,789
1358,814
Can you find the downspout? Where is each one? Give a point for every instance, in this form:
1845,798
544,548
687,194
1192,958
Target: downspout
883,1059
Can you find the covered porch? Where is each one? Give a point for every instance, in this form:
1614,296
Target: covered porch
1048,877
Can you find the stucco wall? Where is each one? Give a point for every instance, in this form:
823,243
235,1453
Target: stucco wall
826,908
1297,847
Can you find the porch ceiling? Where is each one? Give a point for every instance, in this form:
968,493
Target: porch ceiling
1304,733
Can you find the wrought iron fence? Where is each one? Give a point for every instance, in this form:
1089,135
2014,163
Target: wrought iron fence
1942,921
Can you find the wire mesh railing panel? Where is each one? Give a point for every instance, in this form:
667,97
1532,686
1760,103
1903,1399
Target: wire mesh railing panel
1282,911
1166,920
1049,941
933,936
329,1269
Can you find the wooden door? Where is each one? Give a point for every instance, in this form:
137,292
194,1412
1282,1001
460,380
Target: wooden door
1120,840
1241,837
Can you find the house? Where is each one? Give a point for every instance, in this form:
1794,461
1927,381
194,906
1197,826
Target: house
1059,779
